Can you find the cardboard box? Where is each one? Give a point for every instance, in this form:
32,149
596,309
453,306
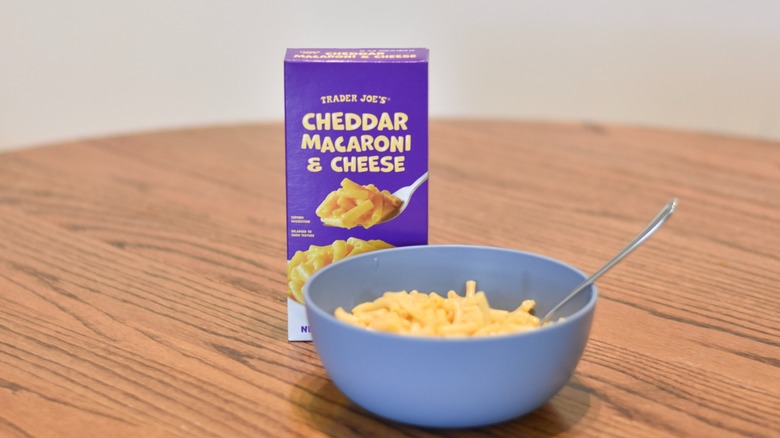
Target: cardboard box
356,131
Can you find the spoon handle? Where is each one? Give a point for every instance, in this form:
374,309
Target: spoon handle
648,231
419,181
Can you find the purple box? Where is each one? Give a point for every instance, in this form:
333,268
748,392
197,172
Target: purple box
356,132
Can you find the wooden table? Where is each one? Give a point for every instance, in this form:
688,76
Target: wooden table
142,285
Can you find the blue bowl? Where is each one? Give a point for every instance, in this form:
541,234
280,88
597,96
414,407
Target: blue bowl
445,382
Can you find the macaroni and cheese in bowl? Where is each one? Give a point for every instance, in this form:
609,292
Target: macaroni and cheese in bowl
433,380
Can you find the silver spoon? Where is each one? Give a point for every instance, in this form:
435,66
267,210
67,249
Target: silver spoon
651,228
405,195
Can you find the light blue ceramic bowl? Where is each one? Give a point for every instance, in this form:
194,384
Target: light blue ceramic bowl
449,383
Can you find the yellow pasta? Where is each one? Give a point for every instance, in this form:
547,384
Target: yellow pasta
305,263
353,205
420,314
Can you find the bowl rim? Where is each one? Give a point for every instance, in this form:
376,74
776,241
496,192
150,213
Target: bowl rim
588,308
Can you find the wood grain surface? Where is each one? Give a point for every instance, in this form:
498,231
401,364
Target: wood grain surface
142,284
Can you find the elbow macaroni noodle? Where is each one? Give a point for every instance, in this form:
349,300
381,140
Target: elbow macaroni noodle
305,263
353,205
420,314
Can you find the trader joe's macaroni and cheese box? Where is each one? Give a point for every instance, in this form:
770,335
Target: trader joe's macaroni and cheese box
356,132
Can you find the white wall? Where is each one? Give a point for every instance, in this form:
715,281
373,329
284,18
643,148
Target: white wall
82,68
